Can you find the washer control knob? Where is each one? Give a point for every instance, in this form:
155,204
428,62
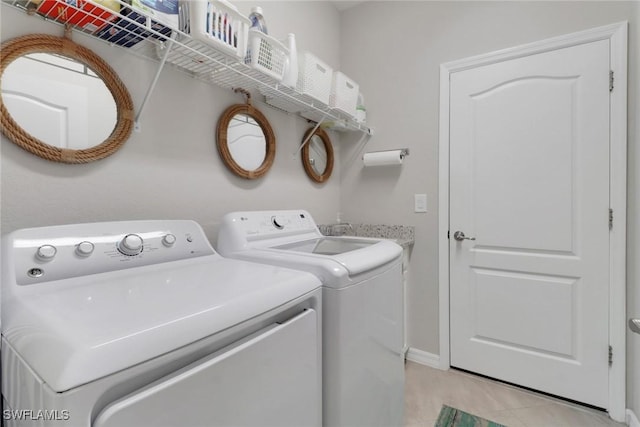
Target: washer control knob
46,252
168,240
131,244
84,249
277,222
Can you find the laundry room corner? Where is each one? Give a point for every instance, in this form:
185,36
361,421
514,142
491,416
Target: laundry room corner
171,168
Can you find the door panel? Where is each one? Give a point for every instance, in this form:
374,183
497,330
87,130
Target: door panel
529,150
513,173
53,103
270,378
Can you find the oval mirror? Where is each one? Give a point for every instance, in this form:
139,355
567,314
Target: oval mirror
61,101
245,141
317,155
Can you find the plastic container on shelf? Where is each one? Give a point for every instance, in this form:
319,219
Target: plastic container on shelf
164,12
344,94
217,23
291,64
266,54
361,111
130,29
314,77
257,20
91,16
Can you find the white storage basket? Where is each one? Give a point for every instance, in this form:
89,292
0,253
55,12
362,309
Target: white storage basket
266,54
314,77
216,23
344,94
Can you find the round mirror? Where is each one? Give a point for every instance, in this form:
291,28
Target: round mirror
61,101
317,155
245,141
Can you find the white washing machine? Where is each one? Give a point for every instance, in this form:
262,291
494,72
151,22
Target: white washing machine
363,362
142,324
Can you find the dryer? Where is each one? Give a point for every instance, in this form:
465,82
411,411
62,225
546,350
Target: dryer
142,323
363,322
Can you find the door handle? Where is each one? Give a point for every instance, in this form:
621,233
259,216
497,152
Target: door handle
634,325
459,236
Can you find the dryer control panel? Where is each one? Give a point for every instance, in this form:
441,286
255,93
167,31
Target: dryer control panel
259,225
37,255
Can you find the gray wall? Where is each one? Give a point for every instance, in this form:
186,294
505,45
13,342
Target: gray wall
394,49
171,169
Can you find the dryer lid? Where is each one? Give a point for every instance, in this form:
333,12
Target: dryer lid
74,331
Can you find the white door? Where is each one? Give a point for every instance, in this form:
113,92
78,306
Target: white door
529,180
59,108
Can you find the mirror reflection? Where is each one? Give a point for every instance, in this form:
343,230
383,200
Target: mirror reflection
246,141
317,155
58,100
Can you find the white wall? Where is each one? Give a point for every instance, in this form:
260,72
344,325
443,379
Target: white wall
394,49
171,169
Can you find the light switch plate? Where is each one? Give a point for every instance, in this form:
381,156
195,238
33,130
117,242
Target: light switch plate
420,203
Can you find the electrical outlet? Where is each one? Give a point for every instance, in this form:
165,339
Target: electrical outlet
420,203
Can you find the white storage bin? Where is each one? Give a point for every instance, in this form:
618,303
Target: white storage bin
218,24
266,54
344,94
314,77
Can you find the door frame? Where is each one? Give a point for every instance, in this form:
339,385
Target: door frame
617,35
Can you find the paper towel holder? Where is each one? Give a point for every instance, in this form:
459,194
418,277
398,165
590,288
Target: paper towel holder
403,152
385,158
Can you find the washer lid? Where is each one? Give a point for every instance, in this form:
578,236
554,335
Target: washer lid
327,245
337,261
74,331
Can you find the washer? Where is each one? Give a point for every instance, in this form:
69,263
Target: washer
363,361
143,324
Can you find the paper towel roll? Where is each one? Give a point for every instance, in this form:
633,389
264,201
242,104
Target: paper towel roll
381,158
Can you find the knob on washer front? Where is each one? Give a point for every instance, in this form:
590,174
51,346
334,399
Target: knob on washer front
46,252
277,222
131,244
85,248
168,240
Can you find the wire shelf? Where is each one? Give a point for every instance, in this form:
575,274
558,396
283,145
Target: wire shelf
141,35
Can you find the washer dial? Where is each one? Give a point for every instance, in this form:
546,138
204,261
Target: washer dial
131,244
278,222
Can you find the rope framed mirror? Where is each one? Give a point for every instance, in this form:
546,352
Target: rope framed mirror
61,53
246,142
317,155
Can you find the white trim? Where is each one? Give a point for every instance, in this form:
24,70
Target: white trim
618,242
617,35
443,217
423,358
632,419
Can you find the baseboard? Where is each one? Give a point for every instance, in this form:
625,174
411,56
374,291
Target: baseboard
423,358
632,419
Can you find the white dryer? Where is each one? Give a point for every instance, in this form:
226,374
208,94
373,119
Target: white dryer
142,324
362,296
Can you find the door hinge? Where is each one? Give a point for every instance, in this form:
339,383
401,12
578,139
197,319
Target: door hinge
611,81
448,231
610,355
610,219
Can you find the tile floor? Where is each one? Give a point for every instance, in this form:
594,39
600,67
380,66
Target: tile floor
427,389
